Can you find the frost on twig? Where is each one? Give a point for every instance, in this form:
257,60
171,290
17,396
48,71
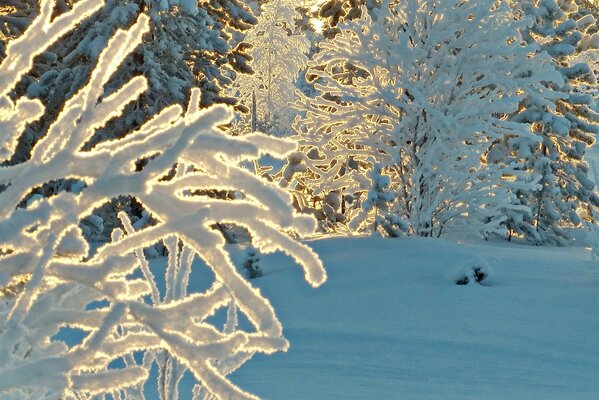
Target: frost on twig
112,293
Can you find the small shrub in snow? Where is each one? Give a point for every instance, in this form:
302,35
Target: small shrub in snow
252,264
477,271
377,207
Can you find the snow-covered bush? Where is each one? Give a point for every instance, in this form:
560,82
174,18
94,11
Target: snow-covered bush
476,270
279,54
132,318
251,264
423,88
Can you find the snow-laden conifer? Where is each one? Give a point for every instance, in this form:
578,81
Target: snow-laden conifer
132,314
279,54
423,88
377,207
563,130
189,44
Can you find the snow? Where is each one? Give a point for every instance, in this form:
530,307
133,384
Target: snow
391,323
46,243
409,318
430,131
592,157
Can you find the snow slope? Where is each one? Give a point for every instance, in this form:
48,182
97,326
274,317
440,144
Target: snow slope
391,324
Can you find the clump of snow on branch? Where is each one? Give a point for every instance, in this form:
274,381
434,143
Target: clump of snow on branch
111,293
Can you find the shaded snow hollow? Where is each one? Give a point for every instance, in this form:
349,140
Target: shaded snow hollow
390,323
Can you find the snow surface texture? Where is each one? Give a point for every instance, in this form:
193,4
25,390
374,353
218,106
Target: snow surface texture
128,320
391,323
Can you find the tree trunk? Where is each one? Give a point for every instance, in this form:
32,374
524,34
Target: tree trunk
254,113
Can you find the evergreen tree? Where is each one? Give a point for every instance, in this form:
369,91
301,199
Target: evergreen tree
563,130
377,207
279,54
187,46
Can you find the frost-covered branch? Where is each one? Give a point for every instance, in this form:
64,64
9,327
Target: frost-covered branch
113,293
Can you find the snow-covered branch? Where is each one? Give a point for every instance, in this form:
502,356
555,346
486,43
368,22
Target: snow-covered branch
113,293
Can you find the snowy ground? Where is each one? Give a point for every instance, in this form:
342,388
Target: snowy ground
391,324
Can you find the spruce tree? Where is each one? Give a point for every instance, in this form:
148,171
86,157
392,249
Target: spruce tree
189,45
563,129
278,56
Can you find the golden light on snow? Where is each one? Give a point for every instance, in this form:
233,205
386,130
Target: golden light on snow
317,24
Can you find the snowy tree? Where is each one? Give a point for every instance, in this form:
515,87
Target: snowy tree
130,315
186,46
563,131
376,209
422,87
279,54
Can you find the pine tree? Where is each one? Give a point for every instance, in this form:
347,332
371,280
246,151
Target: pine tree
112,293
186,46
412,88
377,207
279,54
563,130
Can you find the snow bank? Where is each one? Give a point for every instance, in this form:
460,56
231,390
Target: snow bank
391,324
